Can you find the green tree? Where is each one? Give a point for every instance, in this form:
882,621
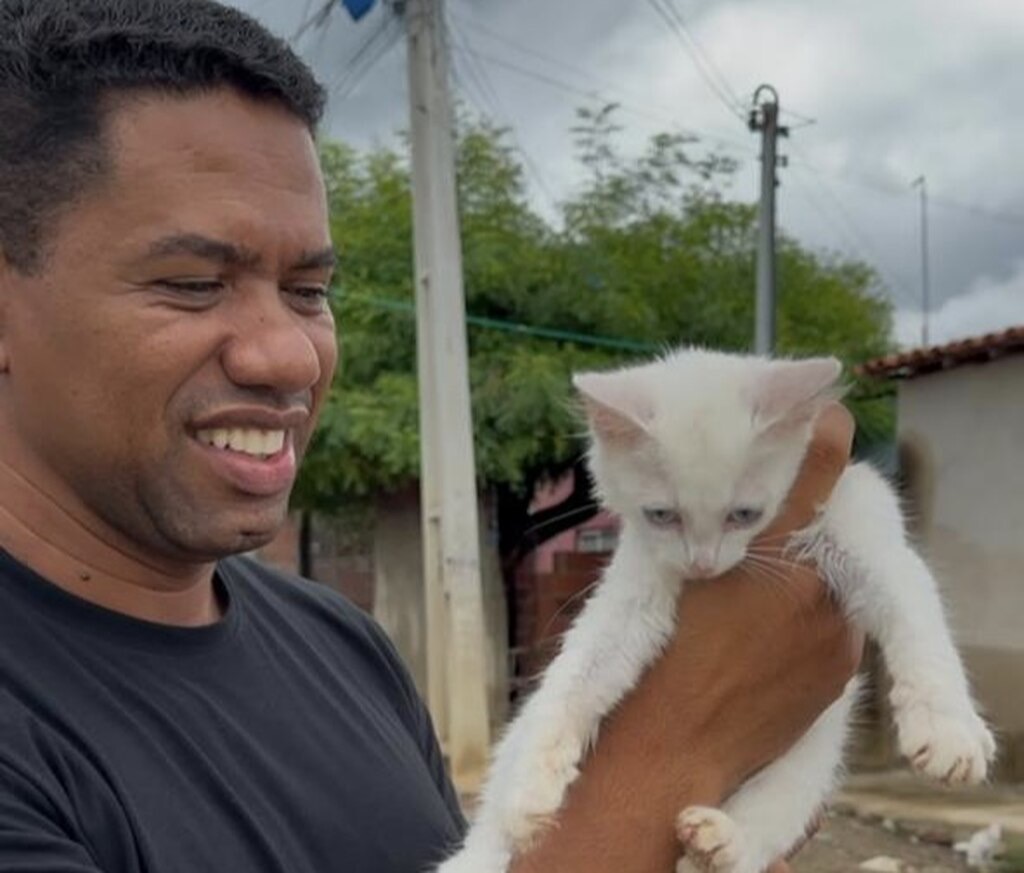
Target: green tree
649,253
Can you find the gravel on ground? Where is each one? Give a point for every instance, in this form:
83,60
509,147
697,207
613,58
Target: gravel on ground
845,842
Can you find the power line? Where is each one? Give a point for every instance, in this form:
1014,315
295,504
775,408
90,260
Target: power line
893,189
478,73
658,116
608,92
374,46
861,239
607,87
316,20
383,38
854,238
307,7
408,308
716,73
705,67
980,211
562,85
713,70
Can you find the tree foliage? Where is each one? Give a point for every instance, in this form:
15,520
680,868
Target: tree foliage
649,252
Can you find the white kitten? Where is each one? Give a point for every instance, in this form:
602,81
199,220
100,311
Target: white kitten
696,453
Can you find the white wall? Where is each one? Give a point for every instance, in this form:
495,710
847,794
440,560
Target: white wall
963,429
399,597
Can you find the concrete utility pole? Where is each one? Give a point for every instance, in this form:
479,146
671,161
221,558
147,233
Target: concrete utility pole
922,183
765,118
457,684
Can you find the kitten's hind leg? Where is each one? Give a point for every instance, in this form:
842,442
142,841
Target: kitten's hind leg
889,591
770,813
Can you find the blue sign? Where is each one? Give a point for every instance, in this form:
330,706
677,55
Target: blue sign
357,8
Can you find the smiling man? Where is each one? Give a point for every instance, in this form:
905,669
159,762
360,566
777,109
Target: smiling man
165,347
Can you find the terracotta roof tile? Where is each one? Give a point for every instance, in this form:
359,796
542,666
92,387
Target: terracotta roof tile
917,362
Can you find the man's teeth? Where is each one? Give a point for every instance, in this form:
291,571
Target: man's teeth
249,441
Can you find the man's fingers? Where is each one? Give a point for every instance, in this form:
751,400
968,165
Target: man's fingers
827,456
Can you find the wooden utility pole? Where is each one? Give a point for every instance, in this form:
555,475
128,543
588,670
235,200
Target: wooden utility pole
456,641
765,118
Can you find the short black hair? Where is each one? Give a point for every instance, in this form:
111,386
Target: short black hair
61,61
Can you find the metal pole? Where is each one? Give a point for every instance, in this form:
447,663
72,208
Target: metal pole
766,120
922,183
451,527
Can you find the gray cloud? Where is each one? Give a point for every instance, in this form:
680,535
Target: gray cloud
897,90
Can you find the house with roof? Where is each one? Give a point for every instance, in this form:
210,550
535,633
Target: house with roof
961,454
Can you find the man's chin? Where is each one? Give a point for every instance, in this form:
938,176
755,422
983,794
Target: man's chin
228,536
249,541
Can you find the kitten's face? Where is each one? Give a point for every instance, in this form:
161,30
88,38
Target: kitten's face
699,500
698,451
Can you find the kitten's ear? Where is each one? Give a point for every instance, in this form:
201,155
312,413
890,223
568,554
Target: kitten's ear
618,408
790,394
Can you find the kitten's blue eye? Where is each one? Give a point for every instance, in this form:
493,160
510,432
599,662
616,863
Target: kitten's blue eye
744,516
662,517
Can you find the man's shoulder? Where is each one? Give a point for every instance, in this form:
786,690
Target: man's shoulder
316,610
271,588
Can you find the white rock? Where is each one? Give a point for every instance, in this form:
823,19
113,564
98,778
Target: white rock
982,846
883,864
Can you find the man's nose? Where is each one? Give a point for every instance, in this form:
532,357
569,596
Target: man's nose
271,346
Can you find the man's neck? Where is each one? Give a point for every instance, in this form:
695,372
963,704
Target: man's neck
38,531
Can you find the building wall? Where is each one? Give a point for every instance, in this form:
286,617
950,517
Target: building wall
340,557
962,443
542,559
282,552
399,603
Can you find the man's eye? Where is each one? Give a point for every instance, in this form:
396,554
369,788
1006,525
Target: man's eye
188,286
660,517
312,297
744,516
310,291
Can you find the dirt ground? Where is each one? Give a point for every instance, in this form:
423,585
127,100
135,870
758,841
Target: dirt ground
845,842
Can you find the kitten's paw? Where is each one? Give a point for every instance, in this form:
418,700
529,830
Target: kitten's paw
532,803
951,748
711,840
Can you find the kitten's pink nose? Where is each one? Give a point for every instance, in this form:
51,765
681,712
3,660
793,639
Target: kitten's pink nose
703,569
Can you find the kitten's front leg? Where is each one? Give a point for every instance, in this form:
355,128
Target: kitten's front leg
889,590
541,760
620,632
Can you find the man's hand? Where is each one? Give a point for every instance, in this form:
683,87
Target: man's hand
756,659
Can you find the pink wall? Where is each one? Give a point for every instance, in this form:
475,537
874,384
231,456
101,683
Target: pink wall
541,560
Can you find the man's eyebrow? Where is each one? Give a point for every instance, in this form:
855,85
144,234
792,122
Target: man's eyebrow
233,255
204,247
326,258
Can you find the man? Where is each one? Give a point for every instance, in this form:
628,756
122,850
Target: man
165,346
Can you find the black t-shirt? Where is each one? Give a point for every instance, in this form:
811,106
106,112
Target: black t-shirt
286,738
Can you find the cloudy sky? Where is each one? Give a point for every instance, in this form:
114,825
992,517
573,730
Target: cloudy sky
877,93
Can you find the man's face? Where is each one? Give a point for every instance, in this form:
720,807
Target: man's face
166,365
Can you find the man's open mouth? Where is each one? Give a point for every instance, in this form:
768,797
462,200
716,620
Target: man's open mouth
255,442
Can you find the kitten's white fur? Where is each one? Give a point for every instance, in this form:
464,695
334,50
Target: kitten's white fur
705,433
